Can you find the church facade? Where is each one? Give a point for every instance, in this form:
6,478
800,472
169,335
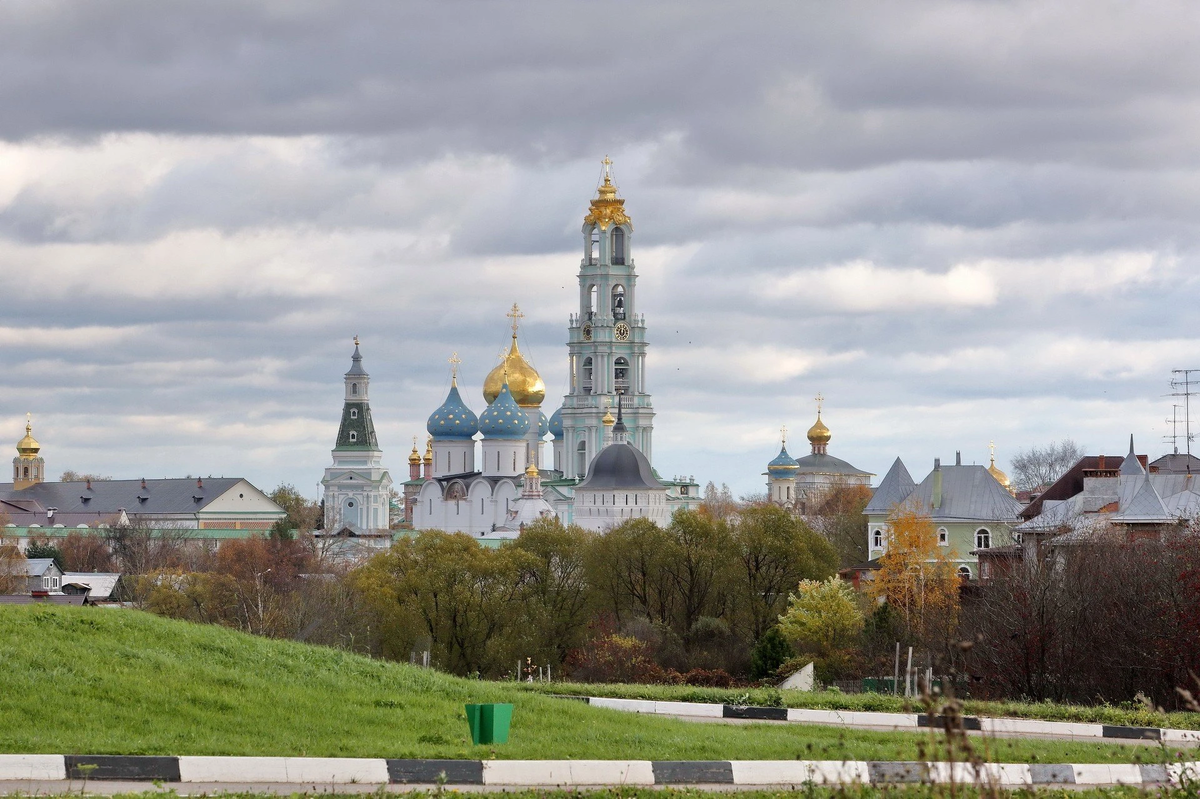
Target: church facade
794,483
489,473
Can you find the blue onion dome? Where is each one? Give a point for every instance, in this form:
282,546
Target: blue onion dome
504,418
555,426
784,465
454,419
543,425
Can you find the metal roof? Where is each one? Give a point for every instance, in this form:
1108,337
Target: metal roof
36,567
101,583
895,487
968,492
170,496
620,465
827,464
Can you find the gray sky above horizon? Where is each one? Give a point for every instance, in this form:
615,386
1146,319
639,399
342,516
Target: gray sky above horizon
959,222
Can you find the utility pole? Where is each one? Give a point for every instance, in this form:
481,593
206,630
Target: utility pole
1182,379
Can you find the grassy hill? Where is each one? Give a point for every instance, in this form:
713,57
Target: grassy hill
103,681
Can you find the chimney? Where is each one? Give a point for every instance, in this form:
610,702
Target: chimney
937,484
143,483
89,484
200,483
958,457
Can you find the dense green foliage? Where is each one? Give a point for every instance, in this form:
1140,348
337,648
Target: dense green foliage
93,680
44,549
771,652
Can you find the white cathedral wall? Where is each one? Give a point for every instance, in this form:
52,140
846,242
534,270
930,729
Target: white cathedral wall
602,510
503,457
453,456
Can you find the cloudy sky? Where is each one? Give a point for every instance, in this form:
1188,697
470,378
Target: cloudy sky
958,221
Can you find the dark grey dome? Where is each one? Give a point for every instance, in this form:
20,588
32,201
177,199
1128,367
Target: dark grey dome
620,465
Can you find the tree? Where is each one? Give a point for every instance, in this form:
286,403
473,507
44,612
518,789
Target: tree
627,567
303,514
698,555
718,502
71,476
86,552
1038,467
12,567
823,617
558,600
836,513
917,577
771,652
771,551
44,549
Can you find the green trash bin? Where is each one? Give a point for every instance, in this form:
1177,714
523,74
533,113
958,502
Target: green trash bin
489,723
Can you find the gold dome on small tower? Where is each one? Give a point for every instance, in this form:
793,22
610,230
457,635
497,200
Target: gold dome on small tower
429,450
524,382
28,446
607,209
819,433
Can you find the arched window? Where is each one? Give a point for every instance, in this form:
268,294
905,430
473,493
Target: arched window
587,375
26,472
618,302
353,436
618,246
621,375
592,295
354,413
581,460
594,245
877,539
964,572
983,538
943,537
354,389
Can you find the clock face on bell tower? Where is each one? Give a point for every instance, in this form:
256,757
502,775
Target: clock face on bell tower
607,340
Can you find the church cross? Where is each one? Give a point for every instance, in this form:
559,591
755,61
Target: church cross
992,449
607,167
356,341
820,399
515,315
783,433
454,362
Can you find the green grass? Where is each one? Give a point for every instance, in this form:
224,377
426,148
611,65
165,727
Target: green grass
834,700
100,681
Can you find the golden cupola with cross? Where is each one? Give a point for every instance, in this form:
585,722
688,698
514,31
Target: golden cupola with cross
524,382
29,467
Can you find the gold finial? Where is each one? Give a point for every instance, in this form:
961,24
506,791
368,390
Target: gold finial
515,315
454,362
992,450
356,341
820,400
414,457
783,434
607,168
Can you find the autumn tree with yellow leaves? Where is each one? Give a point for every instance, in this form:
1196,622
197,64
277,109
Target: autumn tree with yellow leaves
917,577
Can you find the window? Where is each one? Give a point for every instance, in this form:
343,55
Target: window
943,537
581,459
591,311
353,436
587,375
983,539
594,245
618,245
354,413
964,572
877,539
618,302
354,389
621,375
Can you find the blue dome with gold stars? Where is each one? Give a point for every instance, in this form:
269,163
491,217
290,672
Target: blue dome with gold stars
784,465
454,419
555,427
543,425
504,418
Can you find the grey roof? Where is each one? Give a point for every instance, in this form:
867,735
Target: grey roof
968,492
356,367
620,465
827,464
895,487
1144,506
107,497
1177,463
1131,464
53,599
36,567
101,583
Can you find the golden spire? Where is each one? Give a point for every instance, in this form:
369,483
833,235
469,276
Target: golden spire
607,209
524,382
28,446
415,457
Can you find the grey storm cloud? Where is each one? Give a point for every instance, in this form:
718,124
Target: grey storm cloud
958,220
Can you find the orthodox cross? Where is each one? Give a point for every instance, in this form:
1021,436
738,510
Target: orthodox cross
783,433
454,362
356,341
607,167
992,449
514,315
819,398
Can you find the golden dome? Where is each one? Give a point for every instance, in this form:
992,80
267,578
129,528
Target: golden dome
531,470
819,433
608,419
607,209
524,382
429,450
415,457
28,446
1000,476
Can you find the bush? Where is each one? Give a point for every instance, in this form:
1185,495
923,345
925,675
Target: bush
708,678
771,652
614,658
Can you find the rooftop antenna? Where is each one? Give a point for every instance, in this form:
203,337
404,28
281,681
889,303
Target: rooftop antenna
1174,422
1182,379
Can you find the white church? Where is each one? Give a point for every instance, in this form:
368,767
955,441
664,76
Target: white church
487,474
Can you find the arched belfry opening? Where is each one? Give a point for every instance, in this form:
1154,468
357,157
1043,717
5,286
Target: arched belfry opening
618,302
618,246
